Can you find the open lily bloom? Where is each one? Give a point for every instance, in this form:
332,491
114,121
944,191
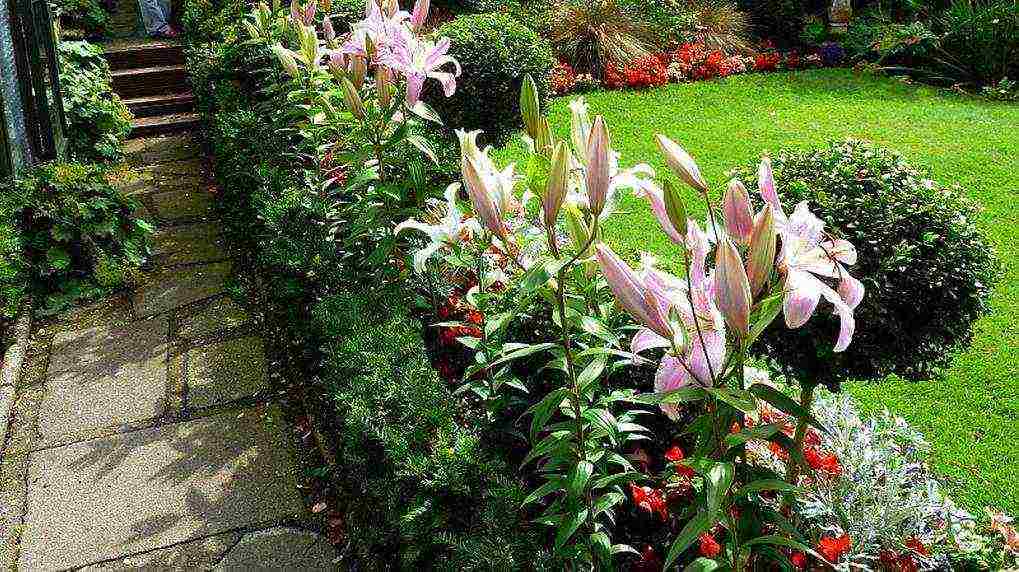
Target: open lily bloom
378,29
806,254
418,60
704,353
449,230
696,343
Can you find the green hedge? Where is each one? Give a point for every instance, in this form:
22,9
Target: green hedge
426,487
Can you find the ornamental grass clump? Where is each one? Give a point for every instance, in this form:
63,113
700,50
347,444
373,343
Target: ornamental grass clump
744,267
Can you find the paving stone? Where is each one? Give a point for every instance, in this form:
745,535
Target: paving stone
115,311
170,148
169,289
281,549
105,377
183,205
99,500
220,315
226,371
197,555
190,244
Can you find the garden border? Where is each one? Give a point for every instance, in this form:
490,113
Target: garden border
10,375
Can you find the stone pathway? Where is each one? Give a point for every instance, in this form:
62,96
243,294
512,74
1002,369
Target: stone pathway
143,435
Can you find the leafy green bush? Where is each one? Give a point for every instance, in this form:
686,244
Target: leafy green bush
426,490
78,235
89,17
927,269
496,52
212,20
98,122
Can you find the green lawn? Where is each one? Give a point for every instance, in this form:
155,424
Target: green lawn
970,415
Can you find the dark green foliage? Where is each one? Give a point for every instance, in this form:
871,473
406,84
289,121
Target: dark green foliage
781,21
89,17
426,492
98,122
927,268
212,20
496,52
980,40
70,234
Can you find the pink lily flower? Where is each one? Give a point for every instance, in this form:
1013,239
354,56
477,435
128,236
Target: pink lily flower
418,60
420,14
806,254
696,343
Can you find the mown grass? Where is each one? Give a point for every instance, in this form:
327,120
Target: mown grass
969,415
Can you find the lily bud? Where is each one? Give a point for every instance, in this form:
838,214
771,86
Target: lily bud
598,166
555,190
732,288
420,14
358,70
762,249
287,60
328,32
309,13
338,64
389,7
580,127
352,98
295,11
766,184
543,138
382,85
481,197
630,292
681,163
739,219
675,207
578,230
530,108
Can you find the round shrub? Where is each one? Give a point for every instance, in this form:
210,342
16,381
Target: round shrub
927,269
496,52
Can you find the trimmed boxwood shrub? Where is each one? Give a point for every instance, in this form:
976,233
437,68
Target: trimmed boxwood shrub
496,52
927,268
426,488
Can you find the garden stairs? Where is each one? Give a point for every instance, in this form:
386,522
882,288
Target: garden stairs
149,77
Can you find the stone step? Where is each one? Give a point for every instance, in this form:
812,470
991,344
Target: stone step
164,124
156,105
146,53
157,80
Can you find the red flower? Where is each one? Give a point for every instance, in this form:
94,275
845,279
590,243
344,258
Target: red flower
650,500
834,548
447,336
674,454
799,560
475,317
913,543
709,547
824,463
444,312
